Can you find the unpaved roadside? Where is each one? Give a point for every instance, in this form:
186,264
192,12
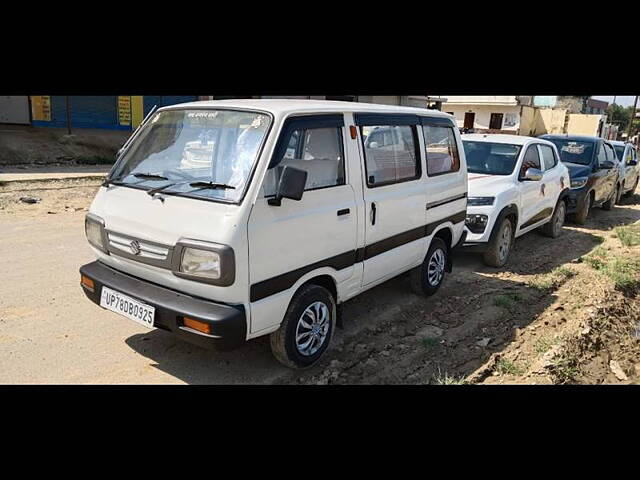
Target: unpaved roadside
484,326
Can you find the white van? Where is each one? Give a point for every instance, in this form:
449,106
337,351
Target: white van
223,221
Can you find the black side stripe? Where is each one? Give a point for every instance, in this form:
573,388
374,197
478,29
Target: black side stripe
537,217
439,203
285,281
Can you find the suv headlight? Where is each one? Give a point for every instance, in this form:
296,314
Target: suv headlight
204,262
94,230
579,182
480,201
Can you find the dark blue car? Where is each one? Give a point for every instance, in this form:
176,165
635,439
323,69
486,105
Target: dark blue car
592,167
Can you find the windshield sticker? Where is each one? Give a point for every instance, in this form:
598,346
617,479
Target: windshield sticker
202,115
574,148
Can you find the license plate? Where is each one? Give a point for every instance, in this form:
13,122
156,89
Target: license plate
126,306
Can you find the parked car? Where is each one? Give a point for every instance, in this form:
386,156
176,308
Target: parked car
630,172
595,179
516,184
285,213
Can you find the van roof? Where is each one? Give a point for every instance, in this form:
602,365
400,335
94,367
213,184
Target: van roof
501,138
285,106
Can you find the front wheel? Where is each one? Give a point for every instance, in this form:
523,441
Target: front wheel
427,278
553,228
580,217
608,205
633,189
307,327
499,247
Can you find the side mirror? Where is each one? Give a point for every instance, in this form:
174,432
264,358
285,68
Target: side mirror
532,175
606,165
290,185
373,145
633,163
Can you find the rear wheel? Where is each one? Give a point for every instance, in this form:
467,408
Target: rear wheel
580,217
427,278
619,193
306,329
553,228
499,248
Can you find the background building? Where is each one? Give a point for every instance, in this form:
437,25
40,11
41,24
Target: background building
484,113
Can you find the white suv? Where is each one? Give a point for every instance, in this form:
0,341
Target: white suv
516,184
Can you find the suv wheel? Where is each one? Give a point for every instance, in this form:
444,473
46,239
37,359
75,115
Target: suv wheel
633,189
553,228
307,327
608,205
427,278
580,217
499,248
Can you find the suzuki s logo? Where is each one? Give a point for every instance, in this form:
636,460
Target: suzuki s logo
135,247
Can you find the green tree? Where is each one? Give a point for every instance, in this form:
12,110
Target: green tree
620,116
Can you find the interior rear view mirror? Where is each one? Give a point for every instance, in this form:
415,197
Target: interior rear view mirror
291,185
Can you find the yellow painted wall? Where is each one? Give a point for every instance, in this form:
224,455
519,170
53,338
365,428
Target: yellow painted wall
527,121
549,120
581,124
137,110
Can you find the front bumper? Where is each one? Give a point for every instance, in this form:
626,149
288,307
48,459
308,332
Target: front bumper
228,323
576,198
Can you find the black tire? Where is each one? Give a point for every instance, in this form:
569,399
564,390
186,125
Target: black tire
608,205
283,340
421,282
553,228
619,193
580,217
495,255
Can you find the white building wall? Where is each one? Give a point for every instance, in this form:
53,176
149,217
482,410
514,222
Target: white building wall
483,115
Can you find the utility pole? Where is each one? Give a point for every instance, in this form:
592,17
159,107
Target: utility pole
68,115
633,116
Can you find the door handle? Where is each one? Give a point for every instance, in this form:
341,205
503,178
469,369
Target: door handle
344,211
373,213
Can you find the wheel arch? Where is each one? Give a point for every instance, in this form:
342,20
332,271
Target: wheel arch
510,211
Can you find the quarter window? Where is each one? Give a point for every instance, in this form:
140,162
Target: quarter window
390,154
319,152
442,150
531,160
548,157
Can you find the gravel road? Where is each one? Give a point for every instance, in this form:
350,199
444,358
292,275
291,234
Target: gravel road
50,332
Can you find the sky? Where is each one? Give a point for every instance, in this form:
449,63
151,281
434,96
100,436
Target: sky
620,100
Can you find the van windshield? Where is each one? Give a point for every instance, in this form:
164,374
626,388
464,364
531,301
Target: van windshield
491,158
180,147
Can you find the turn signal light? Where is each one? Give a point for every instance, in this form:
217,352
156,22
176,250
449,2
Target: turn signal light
86,282
197,325
354,132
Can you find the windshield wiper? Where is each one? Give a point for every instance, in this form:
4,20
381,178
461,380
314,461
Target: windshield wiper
150,176
196,185
211,185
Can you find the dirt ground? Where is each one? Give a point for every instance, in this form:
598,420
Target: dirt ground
557,313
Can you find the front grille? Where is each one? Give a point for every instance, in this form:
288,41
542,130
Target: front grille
140,250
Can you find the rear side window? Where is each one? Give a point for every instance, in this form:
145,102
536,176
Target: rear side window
548,157
442,150
531,160
390,154
319,152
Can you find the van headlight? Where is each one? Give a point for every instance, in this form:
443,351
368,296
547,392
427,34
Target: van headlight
579,182
204,262
94,230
